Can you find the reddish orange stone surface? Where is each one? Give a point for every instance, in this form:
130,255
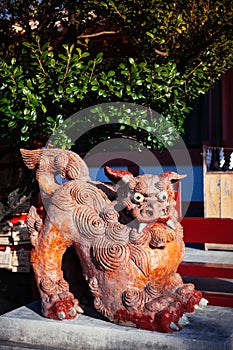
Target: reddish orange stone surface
128,239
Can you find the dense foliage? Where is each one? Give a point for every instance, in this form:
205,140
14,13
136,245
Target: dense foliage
59,57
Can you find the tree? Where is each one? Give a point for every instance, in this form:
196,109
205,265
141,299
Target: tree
59,57
62,56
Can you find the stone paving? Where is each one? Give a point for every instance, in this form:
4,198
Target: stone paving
25,328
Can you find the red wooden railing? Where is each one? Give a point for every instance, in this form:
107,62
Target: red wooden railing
209,230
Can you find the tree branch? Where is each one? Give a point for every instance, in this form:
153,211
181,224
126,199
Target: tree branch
161,53
86,36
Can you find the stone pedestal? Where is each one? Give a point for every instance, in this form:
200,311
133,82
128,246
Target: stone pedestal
25,328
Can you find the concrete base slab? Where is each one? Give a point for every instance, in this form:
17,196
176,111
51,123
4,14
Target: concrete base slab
25,328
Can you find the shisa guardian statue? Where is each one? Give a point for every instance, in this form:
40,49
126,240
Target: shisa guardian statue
127,237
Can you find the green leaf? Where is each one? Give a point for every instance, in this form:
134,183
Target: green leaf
12,124
63,57
44,109
79,51
131,60
71,48
69,90
25,43
111,73
150,34
24,129
26,111
94,82
85,54
99,58
45,46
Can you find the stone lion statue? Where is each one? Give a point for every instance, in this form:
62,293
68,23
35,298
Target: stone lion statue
127,237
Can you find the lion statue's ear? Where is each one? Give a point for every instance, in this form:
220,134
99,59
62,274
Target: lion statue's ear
172,176
117,175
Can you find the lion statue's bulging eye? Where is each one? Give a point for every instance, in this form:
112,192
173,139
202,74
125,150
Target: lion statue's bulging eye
138,197
162,196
